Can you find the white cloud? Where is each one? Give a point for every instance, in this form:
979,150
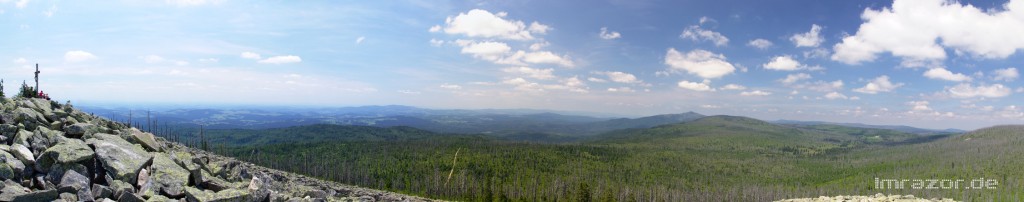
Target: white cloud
921,106
694,86
20,61
408,92
539,45
436,42
823,86
573,84
965,90
1008,74
435,28
538,28
152,58
543,74
605,34
450,86
699,62
281,59
943,74
706,19
621,89
880,84
209,60
21,4
546,57
78,56
817,53
488,50
360,39
835,95
783,63
760,43
250,55
733,87
755,93
695,33
710,106
809,39
793,78
481,23
1020,90
918,31
621,77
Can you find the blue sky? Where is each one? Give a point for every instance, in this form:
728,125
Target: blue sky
927,63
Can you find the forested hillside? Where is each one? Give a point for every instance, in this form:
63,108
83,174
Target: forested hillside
717,158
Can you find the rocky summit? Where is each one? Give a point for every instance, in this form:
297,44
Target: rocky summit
54,152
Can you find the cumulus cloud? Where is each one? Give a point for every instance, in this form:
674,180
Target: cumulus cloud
436,42
484,24
880,84
20,61
488,50
809,39
539,45
733,87
621,77
573,84
21,4
760,43
543,57
793,78
783,63
281,59
755,93
78,56
835,95
1008,74
250,55
699,62
816,53
605,34
965,90
543,74
596,80
359,40
694,86
911,30
943,74
695,33
621,89
921,106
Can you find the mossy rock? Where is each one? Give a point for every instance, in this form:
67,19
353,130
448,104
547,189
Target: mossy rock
69,151
121,159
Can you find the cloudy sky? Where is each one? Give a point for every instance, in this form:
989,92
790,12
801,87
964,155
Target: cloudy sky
926,63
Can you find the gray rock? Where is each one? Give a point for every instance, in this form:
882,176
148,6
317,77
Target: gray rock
193,194
85,195
147,140
130,197
22,137
168,177
122,160
77,130
8,130
10,167
41,195
100,191
72,182
70,151
11,189
56,173
69,197
23,154
120,187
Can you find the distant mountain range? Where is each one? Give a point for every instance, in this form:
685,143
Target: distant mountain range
513,124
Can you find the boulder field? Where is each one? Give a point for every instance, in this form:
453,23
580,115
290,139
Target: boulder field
54,152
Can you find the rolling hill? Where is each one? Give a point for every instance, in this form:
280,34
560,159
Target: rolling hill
716,158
